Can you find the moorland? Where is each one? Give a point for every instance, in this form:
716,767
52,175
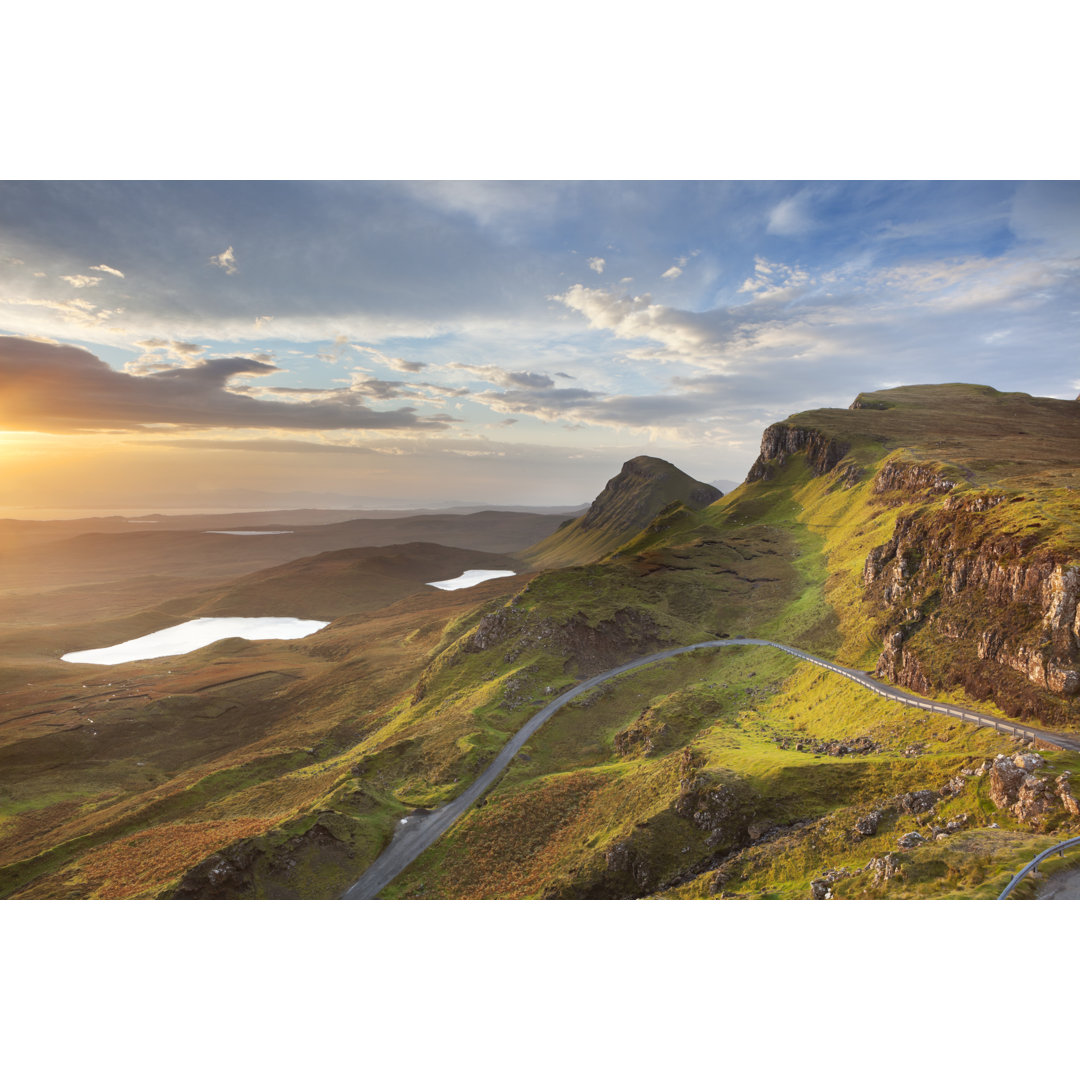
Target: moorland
927,534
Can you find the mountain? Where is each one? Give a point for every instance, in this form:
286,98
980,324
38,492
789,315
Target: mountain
965,558
928,533
347,582
643,488
29,558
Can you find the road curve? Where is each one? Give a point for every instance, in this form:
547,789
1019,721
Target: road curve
419,831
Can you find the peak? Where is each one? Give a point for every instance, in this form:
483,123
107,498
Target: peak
644,462
643,488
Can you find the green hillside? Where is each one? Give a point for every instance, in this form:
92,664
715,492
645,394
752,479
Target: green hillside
644,488
928,534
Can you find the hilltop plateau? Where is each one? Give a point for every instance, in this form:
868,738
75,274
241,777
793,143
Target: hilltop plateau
926,533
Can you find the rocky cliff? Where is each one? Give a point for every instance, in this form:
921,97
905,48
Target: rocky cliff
990,599
781,441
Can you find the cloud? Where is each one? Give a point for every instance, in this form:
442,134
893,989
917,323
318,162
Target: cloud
80,281
108,270
162,355
791,216
676,269
497,376
262,446
58,388
226,260
395,362
597,264
80,312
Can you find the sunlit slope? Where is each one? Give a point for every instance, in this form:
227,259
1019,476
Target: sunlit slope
643,488
738,773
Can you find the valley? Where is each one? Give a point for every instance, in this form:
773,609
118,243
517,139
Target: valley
925,535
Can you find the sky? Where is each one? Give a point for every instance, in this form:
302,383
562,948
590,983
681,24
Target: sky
233,344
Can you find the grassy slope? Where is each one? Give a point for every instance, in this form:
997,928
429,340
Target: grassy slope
832,527
351,743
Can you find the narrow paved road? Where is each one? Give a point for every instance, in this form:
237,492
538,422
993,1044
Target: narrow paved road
419,831
1063,886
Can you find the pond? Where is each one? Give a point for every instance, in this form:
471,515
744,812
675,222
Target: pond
195,634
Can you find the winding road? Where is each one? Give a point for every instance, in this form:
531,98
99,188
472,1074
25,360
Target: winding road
419,831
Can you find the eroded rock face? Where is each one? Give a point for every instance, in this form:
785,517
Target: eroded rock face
901,666
624,858
724,810
1064,791
909,476
644,736
821,888
1005,780
918,802
1015,787
1032,595
780,441
885,867
1034,801
629,632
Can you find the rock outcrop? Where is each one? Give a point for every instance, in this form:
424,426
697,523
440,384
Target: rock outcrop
909,476
885,867
1014,786
629,632
1064,790
999,597
781,441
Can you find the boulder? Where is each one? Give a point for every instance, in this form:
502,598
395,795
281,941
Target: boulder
910,840
757,829
953,787
867,826
918,802
1005,780
1034,800
1029,762
1064,791
885,867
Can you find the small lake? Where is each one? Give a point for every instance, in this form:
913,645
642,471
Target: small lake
248,532
195,634
470,578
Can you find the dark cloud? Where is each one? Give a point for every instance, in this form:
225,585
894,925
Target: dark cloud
497,376
589,406
48,387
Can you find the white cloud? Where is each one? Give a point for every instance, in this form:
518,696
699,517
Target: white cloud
108,270
791,217
597,264
675,270
80,312
226,260
395,362
81,281
164,355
